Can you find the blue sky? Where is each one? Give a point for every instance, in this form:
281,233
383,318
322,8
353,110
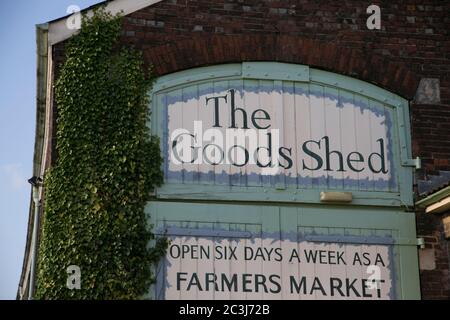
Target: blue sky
17,124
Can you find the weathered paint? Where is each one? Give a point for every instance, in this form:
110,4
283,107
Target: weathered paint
284,269
350,125
303,104
366,120
369,234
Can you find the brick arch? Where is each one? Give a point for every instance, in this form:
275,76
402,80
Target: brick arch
330,56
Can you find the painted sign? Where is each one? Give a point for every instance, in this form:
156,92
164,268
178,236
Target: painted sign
262,268
248,136
257,133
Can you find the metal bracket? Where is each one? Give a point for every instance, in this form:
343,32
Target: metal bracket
421,243
417,163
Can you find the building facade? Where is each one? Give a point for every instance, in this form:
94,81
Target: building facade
345,193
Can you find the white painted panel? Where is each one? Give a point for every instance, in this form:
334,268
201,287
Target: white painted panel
290,127
253,265
205,265
290,266
363,140
189,114
174,121
323,270
378,126
170,281
338,140
235,267
337,270
266,102
303,132
205,116
349,144
318,131
333,128
237,172
251,100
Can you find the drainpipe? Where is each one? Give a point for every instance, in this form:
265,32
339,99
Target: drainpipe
36,183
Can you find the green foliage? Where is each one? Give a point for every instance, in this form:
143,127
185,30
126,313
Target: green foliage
107,167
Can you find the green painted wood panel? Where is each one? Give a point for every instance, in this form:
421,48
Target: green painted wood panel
304,93
284,210
334,227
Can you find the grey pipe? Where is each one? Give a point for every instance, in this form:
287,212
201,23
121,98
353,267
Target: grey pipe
37,205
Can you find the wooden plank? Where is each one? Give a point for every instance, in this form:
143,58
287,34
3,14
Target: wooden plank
318,116
333,130
364,134
266,102
278,137
252,266
238,171
174,107
349,144
223,170
338,270
189,115
388,273
291,264
236,267
173,267
378,124
270,243
302,133
251,101
353,270
289,133
371,251
322,271
206,116
307,268
220,266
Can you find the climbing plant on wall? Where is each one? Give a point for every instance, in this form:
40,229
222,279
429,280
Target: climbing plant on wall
107,166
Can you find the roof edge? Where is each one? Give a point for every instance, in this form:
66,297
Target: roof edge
433,198
41,98
58,30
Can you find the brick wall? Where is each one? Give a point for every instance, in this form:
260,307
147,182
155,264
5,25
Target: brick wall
431,135
413,44
434,277
332,35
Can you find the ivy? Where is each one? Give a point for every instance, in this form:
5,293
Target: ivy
107,167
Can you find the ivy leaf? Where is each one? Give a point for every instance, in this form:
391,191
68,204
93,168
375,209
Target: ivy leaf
102,98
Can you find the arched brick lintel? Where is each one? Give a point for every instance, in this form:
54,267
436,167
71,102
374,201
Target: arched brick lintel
218,49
